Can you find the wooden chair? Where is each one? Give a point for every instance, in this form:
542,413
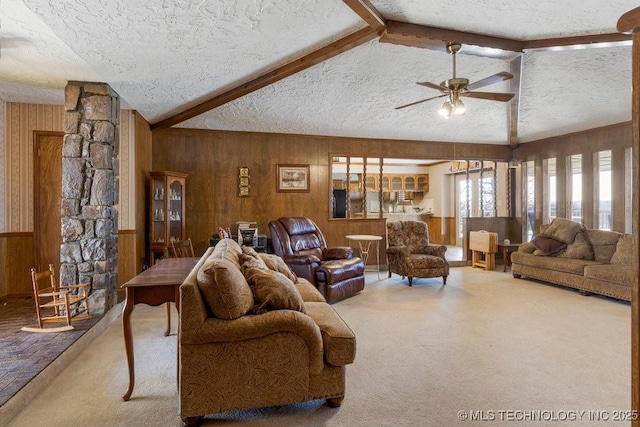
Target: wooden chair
179,249
182,248
58,303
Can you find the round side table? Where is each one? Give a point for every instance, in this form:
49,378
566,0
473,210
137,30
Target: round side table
364,245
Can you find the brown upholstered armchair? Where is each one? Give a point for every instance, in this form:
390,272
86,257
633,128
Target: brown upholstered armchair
409,253
333,270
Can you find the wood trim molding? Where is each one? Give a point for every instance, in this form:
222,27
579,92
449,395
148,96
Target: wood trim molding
17,234
368,13
339,46
630,22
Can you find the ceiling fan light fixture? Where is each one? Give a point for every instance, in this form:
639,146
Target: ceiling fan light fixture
458,108
446,109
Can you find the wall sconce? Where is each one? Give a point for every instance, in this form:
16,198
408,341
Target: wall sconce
243,182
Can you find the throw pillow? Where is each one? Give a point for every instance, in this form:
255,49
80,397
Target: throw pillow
275,263
249,251
625,250
580,248
564,229
548,246
272,290
225,289
251,261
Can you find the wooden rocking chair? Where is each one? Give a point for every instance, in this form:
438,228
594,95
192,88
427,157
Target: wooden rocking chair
58,303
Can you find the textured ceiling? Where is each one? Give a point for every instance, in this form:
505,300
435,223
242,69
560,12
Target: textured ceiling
165,56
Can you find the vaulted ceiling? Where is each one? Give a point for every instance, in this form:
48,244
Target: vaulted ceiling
333,67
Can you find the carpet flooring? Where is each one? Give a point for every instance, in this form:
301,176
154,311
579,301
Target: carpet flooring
485,349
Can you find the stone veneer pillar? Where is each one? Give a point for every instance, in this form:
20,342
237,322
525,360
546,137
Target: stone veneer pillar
89,249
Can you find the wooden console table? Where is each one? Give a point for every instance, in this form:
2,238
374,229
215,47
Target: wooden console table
155,286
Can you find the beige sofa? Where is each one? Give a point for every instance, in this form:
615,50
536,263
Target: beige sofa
231,358
568,254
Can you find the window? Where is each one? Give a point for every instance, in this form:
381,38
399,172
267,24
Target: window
465,195
602,206
488,189
549,199
574,184
529,198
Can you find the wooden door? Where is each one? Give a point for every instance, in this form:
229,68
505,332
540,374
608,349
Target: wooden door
47,191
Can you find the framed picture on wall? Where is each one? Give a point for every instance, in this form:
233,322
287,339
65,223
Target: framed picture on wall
292,178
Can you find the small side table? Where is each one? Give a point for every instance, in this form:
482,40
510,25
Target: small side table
506,250
364,244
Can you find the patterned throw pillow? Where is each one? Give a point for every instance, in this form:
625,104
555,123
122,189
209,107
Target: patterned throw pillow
273,291
275,263
580,248
225,289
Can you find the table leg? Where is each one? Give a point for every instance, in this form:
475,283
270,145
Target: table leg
505,252
168,331
364,252
378,257
128,340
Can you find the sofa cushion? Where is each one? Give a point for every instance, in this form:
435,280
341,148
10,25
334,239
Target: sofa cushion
272,290
609,273
579,249
308,292
625,250
227,249
224,288
547,245
564,229
338,340
567,265
603,243
275,263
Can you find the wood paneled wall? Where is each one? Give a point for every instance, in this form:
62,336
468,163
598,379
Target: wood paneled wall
442,230
506,227
212,158
143,162
616,138
16,253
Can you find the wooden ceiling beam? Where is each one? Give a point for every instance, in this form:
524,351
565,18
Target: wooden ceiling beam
368,13
577,42
339,46
436,38
515,68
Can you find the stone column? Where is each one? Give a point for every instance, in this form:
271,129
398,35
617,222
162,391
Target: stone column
89,249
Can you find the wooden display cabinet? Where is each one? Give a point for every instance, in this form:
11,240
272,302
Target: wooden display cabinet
167,210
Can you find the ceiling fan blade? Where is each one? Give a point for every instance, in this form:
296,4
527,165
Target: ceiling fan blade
420,102
432,86
491,96
496,78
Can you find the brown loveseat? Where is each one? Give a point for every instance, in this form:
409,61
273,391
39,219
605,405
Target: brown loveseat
333,270
233,359
566,253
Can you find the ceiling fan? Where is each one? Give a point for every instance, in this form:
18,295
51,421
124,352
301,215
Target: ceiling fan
456,87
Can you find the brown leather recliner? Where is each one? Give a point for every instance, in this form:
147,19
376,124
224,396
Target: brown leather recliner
333,270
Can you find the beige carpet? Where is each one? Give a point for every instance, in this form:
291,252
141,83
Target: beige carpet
515,349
